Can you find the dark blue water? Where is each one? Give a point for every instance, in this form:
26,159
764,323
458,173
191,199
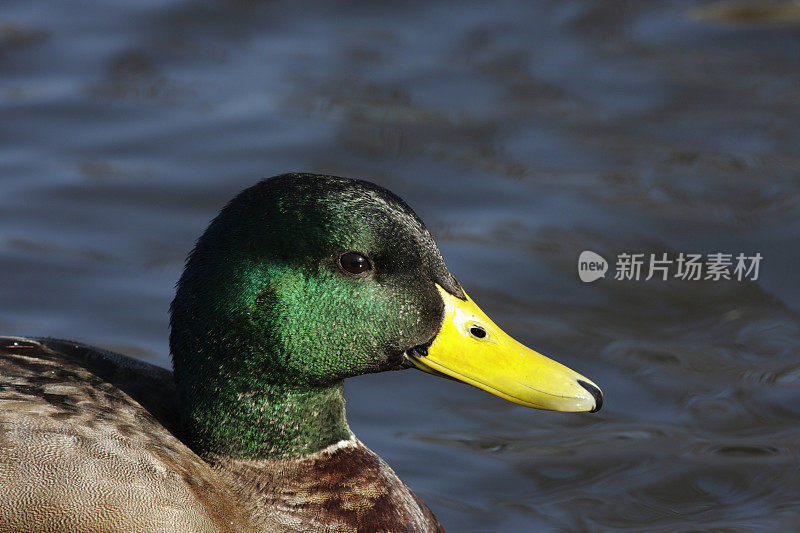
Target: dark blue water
523,133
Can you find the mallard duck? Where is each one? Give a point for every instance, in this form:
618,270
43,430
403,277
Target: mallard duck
300,282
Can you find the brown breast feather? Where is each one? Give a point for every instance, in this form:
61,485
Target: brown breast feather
346,487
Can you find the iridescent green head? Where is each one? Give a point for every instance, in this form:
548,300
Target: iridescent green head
300,282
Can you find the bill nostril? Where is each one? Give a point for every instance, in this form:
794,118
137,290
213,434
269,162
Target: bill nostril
594,391
477,332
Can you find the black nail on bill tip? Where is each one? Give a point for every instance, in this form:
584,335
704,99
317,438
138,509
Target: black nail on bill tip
594,391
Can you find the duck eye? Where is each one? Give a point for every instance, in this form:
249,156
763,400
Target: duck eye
354,263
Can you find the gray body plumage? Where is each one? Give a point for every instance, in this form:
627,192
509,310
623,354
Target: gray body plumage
88,444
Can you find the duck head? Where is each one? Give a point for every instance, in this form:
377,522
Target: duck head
304,280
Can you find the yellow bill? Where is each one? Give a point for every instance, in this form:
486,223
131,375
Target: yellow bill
471,348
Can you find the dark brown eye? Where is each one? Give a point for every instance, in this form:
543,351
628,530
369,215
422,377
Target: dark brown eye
354,263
